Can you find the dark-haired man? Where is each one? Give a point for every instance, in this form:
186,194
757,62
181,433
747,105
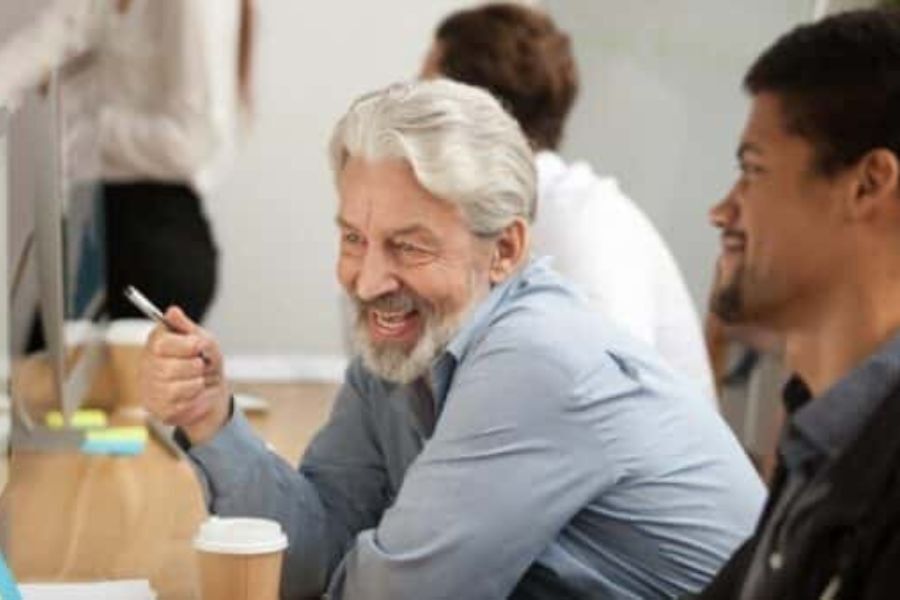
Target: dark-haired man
811,250
598,237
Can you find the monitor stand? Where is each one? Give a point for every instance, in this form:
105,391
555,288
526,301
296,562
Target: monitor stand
29,437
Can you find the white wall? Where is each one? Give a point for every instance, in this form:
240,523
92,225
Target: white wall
661,106
274,215
824,7
661,109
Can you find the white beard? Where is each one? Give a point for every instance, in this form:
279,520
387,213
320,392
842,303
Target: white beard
395,364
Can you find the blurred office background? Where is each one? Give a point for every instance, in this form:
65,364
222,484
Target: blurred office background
661,109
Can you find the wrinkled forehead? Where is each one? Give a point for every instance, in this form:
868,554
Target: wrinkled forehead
384,196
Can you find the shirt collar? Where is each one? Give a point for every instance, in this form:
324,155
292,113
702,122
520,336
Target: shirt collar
474,326
821,429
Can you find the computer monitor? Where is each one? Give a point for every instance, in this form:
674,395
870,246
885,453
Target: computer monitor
5,405
56,277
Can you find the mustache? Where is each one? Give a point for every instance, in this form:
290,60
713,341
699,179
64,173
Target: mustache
393,302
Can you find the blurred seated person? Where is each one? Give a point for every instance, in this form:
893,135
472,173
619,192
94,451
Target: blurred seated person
496,436
599,238
749,372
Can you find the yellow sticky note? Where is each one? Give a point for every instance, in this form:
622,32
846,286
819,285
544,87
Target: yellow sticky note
81,419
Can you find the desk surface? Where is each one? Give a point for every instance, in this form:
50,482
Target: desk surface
70,517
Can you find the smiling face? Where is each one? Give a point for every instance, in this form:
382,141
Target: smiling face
409,262
781,226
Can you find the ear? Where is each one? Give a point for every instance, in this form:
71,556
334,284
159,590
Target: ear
510,250
876,181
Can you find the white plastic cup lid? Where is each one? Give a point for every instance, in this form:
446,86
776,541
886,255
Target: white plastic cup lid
240,535
129,332
81,331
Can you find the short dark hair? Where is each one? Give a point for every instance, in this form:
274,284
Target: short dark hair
838,81
521,57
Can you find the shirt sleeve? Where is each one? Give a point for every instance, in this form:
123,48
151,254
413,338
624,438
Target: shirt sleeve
510,463
173,141
339,489
65,30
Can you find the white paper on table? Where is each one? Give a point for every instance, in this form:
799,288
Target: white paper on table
125,589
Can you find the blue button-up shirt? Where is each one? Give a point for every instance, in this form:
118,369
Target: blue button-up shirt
547,455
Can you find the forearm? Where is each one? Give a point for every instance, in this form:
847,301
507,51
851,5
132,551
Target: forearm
242,477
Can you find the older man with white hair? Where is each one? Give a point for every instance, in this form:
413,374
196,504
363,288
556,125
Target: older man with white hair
497,437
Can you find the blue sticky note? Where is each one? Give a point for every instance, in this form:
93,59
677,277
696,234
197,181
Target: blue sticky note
121,441
8,588
115,447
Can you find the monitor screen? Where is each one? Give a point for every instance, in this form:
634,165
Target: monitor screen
56,263
5,417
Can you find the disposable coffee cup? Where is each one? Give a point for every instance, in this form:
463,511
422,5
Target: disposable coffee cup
125,339
83,338
240,558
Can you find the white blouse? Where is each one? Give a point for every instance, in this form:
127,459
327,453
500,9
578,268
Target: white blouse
152,91
602,241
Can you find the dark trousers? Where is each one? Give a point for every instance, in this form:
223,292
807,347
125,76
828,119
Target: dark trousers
158,240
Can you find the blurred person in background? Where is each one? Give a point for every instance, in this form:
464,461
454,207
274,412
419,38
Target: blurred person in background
156,92
749,371
599,238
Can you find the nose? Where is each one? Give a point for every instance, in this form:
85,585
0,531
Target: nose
724,213
376,276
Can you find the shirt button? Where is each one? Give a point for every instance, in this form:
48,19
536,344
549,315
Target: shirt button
776,561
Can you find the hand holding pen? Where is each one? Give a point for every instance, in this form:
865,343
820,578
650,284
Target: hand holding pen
150,310
181,374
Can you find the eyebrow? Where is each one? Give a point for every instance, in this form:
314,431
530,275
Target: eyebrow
413,229
408,230
341,222
748,147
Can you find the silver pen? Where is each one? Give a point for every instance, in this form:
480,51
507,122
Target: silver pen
143,304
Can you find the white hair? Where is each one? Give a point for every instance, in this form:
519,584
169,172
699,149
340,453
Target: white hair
462,147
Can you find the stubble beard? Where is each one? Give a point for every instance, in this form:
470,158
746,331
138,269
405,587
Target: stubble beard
727,301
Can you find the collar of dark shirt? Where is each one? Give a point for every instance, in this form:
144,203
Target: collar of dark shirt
820,429
443,367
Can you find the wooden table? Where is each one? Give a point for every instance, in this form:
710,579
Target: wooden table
71,517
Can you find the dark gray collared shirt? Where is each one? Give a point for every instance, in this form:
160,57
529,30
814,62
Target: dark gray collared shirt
815,436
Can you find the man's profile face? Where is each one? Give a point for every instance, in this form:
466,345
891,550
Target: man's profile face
409,262
780,226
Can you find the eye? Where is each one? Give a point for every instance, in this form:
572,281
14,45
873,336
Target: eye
352,243
749,169
408,253
407,248
351,237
